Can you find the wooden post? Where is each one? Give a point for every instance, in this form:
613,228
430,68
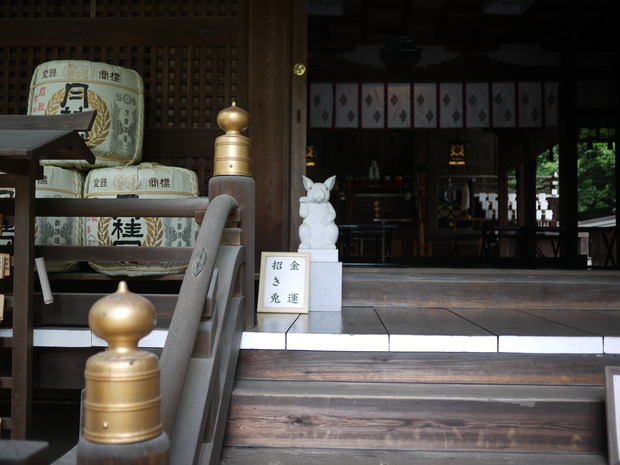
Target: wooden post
568,158
21,404
232,175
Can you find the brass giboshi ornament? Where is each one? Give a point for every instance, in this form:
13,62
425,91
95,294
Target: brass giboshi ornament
122,399
233,150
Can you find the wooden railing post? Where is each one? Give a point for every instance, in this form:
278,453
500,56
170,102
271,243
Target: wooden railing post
122,423
232,175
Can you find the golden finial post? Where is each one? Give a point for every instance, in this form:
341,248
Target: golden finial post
233,150
232,175
121,397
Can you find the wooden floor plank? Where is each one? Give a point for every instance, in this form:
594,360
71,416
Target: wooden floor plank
512,322
434,330
270,331
289,456
352,329
427,321
599,323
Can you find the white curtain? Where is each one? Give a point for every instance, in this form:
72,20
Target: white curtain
503,104
399,105
431,105
530,105
477,110
321,105
373,105
425,105
451,105
347,105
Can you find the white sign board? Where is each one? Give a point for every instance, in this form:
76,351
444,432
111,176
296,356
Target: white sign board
284,282
612,388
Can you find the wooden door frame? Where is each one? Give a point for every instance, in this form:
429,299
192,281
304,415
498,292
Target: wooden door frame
277,101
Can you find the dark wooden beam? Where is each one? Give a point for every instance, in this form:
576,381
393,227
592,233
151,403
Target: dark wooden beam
84,32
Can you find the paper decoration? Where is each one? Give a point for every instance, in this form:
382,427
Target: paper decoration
477,110
503,104
347,105
451,105
373,105
398,105
551,104
321,105
433,105
530,105
425,105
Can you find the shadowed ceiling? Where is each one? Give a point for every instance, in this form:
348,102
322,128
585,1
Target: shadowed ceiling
464,26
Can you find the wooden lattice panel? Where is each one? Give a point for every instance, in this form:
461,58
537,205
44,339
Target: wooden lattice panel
184,86
108,9
189,74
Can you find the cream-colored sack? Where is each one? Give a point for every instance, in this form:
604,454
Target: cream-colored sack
145,181
117,94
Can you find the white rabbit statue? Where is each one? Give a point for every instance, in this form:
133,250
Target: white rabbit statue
317,230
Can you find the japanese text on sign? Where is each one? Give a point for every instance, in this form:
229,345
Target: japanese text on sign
284,282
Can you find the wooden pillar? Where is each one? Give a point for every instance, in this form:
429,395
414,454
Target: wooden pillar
21,392
528,179
299,62
568,156
269,103
244,191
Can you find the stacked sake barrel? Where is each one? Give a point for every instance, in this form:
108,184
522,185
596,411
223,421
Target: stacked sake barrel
144,181
116,138
117,94
57,183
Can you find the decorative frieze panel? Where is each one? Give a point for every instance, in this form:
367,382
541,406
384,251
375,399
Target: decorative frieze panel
433,105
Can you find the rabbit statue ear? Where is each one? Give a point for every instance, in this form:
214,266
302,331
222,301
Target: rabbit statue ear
307,182
329,182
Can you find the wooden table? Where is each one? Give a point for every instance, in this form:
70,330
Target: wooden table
24,140
382,233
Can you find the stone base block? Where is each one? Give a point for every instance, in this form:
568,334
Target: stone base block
325,286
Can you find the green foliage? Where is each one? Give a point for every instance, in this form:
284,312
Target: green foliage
547,163
596,181
596,178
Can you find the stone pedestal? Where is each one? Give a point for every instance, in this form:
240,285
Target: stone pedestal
325,280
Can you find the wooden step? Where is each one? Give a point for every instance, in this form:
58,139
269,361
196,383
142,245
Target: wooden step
396,367
407,416
296,407
296,456
481,288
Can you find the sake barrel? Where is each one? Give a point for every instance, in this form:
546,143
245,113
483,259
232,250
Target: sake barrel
117,94
144,181
58,183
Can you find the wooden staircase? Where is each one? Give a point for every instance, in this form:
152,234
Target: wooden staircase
311,407
292,407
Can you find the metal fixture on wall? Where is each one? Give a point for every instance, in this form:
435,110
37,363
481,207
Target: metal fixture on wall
456,156
310,156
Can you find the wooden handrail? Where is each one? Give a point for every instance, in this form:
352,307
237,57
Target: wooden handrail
186,207
181,337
